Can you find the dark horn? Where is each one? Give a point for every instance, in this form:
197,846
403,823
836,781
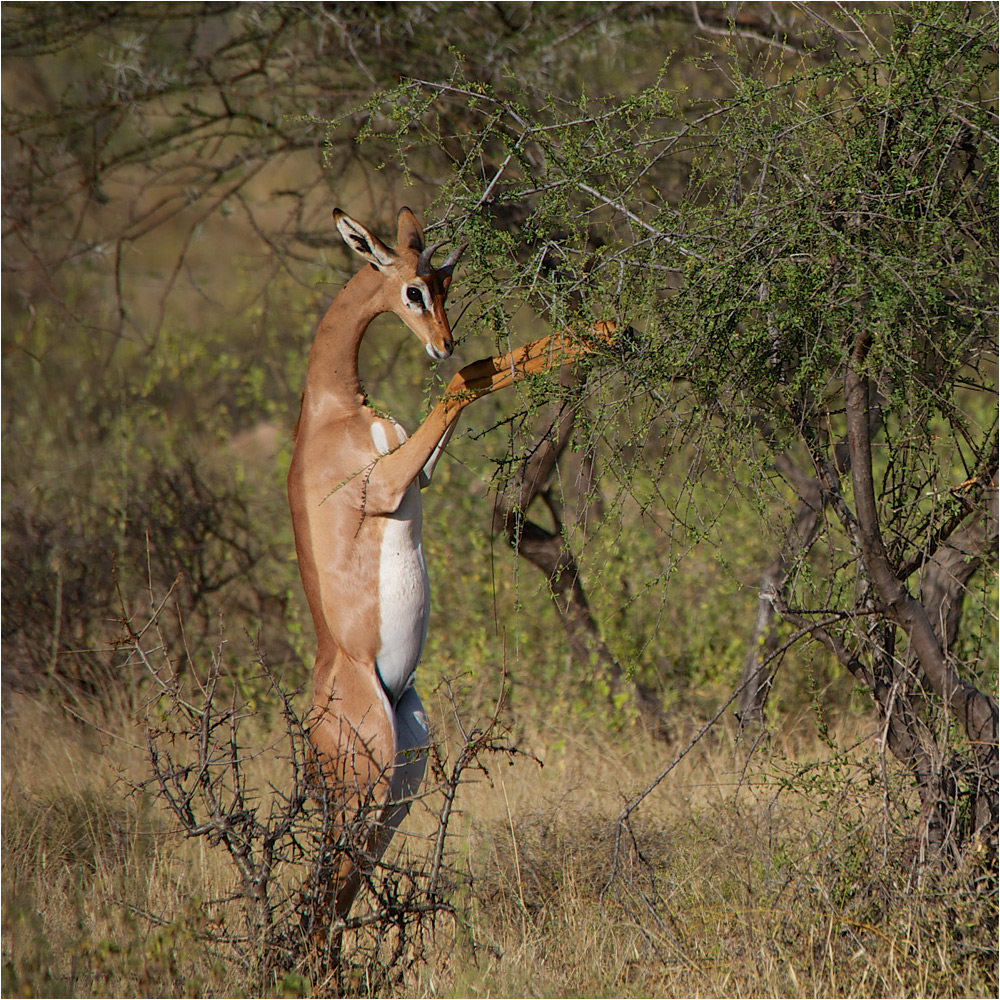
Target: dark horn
452,259
424,260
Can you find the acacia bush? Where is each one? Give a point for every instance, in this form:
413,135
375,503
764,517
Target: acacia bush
817,308
279,824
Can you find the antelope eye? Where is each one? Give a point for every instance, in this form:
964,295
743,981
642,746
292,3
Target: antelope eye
415,295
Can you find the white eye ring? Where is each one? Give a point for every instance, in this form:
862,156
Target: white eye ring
413,297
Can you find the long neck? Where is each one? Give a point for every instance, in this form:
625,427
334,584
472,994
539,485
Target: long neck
332,381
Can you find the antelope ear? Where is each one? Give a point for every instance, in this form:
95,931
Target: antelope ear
363,241
409,232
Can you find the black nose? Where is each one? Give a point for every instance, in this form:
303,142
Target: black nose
441,354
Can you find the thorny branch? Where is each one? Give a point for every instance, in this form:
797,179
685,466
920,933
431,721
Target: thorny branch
279,833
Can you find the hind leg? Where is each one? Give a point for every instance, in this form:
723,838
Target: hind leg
353,738
411,737
410,763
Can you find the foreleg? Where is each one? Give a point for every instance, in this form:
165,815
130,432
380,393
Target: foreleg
392,475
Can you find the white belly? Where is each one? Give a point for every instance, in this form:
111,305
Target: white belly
404,596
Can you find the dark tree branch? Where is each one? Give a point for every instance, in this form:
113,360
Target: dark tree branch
755,679
549,552
976,711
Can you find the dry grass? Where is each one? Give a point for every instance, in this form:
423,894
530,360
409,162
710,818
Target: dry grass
780,878
84,861
733,886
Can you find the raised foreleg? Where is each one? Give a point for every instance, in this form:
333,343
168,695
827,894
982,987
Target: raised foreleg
391,476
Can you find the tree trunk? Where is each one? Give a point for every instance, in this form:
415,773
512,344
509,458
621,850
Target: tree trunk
549,551
976,711
942,593
930,622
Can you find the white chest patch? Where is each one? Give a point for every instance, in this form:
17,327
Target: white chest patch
404,595
403,590
379,438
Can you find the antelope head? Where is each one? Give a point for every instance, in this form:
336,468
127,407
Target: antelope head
413,289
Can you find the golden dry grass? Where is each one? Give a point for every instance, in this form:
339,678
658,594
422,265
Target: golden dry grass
778,878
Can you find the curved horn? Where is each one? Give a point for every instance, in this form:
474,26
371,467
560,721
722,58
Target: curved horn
424,260
452,259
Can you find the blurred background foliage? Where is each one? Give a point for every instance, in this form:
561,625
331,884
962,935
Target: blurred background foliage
169,177
748,186
168,181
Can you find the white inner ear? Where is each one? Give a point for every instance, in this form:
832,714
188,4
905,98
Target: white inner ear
363,242
424,304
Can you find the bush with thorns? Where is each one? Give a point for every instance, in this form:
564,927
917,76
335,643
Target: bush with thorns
284,838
